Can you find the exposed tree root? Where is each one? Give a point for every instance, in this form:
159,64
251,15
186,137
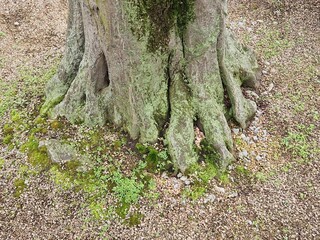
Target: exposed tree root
180,134
68,69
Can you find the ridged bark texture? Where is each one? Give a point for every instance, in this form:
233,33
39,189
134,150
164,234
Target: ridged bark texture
118,66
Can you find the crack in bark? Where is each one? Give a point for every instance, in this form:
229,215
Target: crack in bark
169,83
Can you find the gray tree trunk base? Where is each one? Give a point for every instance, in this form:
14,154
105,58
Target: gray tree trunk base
108,74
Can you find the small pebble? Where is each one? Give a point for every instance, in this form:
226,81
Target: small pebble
245,138
259,113
233,195
210,198
235,130
271,86
16,23
230,167
179,175
265,133
183,178
241,24
252,94
243,154
219,189
176,186
164,175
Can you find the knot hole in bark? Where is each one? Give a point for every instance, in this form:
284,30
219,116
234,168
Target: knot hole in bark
100,71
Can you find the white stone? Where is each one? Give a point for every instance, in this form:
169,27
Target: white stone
233,195
259,113
235,130
59,152
164,175
183,178
210,198
220,189
265,133
245,153
245,138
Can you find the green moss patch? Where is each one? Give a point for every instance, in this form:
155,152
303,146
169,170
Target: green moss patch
20,185
134,219
2,162
37,156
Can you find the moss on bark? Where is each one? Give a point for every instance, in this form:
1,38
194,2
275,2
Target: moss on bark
155,19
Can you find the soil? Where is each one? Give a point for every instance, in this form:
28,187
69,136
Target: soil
276,195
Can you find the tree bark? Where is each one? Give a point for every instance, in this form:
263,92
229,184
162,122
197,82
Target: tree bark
155,67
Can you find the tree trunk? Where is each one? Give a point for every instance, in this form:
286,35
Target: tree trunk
155,67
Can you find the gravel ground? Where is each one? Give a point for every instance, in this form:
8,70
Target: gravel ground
281,201
34,34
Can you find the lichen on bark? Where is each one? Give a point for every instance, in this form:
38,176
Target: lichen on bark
155,67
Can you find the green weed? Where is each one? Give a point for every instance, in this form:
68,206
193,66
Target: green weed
195,192
127,189
273,43
202,173
201,176
241,170
262,177
297,141
156,162
287,167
